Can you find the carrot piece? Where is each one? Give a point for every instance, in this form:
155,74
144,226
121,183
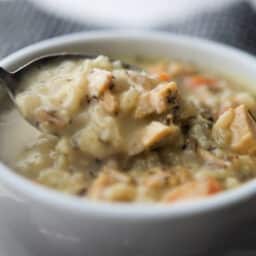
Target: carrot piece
163,76
193,190
200,80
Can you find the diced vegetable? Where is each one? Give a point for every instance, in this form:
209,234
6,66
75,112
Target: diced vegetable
164,76
193,190
199,80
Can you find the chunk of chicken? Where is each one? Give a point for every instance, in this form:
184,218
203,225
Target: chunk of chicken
224,119
168,178
163,95
128,100
113,186
100,138
98,82
144,106
50,118
243,128
221,132
157,100
110,103
155,132
210,159
149,136
236,129
192,190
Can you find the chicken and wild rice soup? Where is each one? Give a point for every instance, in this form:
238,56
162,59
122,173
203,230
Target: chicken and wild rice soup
171,132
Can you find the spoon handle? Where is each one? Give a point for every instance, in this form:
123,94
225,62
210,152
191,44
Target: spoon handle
7,81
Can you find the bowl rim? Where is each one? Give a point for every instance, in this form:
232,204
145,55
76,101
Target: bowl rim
143,211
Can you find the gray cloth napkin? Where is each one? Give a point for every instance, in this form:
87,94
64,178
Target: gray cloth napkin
22,24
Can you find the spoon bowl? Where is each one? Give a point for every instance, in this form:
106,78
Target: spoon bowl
9,80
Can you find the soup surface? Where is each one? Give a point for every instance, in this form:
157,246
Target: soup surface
172,132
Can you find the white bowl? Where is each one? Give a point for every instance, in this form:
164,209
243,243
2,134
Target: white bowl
38,221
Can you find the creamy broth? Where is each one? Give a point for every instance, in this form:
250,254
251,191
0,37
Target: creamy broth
171,133
15,132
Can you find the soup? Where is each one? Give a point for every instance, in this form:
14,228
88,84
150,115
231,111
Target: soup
166,133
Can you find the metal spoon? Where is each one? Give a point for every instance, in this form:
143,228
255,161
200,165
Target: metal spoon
9,80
